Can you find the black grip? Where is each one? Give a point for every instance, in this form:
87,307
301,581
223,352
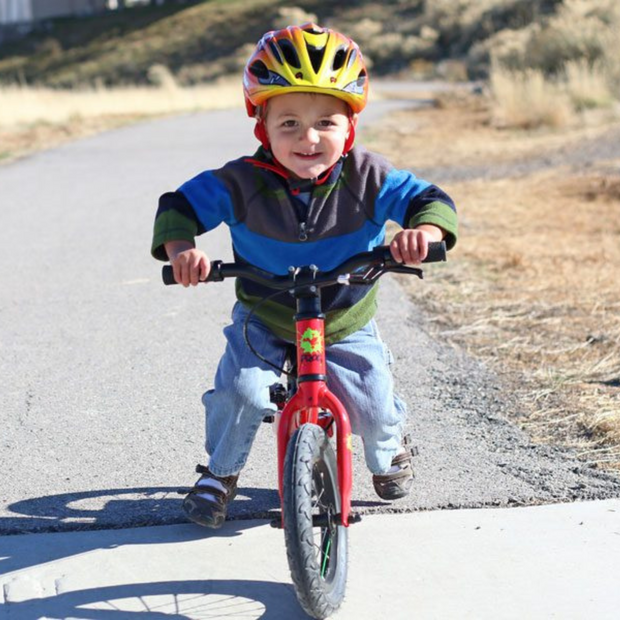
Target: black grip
167,275
436,252
215,273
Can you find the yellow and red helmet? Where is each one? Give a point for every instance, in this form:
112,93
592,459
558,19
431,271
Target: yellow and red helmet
307,59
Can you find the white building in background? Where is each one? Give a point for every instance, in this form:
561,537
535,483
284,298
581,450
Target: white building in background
15,11
28,11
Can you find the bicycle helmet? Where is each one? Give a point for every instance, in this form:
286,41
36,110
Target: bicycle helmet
307,59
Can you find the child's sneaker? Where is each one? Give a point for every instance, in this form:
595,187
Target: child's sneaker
397,482
207,502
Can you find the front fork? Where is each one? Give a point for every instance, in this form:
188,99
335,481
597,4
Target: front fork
311,397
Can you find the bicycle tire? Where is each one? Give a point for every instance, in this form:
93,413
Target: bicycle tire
318,566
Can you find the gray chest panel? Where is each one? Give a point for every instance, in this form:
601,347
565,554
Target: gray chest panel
263,202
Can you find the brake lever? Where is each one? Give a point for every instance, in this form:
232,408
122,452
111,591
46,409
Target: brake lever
370,276
406,269
360,280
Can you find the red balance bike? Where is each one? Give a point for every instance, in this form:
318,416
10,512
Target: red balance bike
314,482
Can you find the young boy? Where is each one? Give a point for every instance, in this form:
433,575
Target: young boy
306,197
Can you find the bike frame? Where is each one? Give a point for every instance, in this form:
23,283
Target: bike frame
313,395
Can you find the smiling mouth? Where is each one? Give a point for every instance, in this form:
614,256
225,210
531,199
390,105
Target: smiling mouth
308,155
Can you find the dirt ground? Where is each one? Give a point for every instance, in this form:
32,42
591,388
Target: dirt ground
533,286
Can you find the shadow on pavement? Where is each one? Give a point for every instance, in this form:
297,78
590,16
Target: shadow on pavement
168,599
115,510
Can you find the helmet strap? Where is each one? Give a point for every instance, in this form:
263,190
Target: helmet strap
348,145
260,132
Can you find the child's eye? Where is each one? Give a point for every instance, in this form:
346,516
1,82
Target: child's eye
289,123
326,123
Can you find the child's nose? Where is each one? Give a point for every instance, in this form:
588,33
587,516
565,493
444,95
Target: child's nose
311,135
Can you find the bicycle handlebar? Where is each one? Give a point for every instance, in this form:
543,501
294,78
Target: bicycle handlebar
377,261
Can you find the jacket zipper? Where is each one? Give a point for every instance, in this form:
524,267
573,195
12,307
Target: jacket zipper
302,214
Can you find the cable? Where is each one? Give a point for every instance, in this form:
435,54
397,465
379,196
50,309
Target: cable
247,338
258,305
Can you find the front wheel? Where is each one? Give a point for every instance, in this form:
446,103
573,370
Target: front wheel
316,545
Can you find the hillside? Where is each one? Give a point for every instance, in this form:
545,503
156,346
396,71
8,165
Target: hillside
203,40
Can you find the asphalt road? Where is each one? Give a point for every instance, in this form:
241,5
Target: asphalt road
102,367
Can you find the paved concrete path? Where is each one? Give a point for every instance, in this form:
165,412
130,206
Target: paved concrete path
560,561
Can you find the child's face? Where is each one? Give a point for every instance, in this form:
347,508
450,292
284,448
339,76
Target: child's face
307,132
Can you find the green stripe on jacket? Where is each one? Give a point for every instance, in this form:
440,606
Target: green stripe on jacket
338,323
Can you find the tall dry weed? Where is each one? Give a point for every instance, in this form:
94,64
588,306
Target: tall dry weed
526,100
570,55
588,84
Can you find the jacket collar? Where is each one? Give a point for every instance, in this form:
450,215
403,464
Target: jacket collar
263,158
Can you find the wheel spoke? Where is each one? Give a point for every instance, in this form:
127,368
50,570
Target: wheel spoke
317,500
321,537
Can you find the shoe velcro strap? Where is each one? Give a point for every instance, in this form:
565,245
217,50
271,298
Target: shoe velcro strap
402,460
212,485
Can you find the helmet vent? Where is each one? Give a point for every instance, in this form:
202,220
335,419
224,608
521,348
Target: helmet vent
274,50
316,57
289,53
352,57
339,58
259,70
313,29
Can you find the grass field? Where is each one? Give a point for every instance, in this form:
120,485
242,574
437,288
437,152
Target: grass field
533,286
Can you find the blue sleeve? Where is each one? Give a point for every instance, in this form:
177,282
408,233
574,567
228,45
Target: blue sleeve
210,200
398,190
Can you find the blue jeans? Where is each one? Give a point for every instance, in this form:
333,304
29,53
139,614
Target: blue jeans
358,374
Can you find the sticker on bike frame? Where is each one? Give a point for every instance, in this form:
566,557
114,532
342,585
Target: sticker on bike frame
350,442
311,341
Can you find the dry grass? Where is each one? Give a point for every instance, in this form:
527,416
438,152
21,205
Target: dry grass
588,85
533,286
543,73
526,99
460,131
529,99
36,136
35,118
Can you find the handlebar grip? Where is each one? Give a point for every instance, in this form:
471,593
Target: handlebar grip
436,252
167,275
217,272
